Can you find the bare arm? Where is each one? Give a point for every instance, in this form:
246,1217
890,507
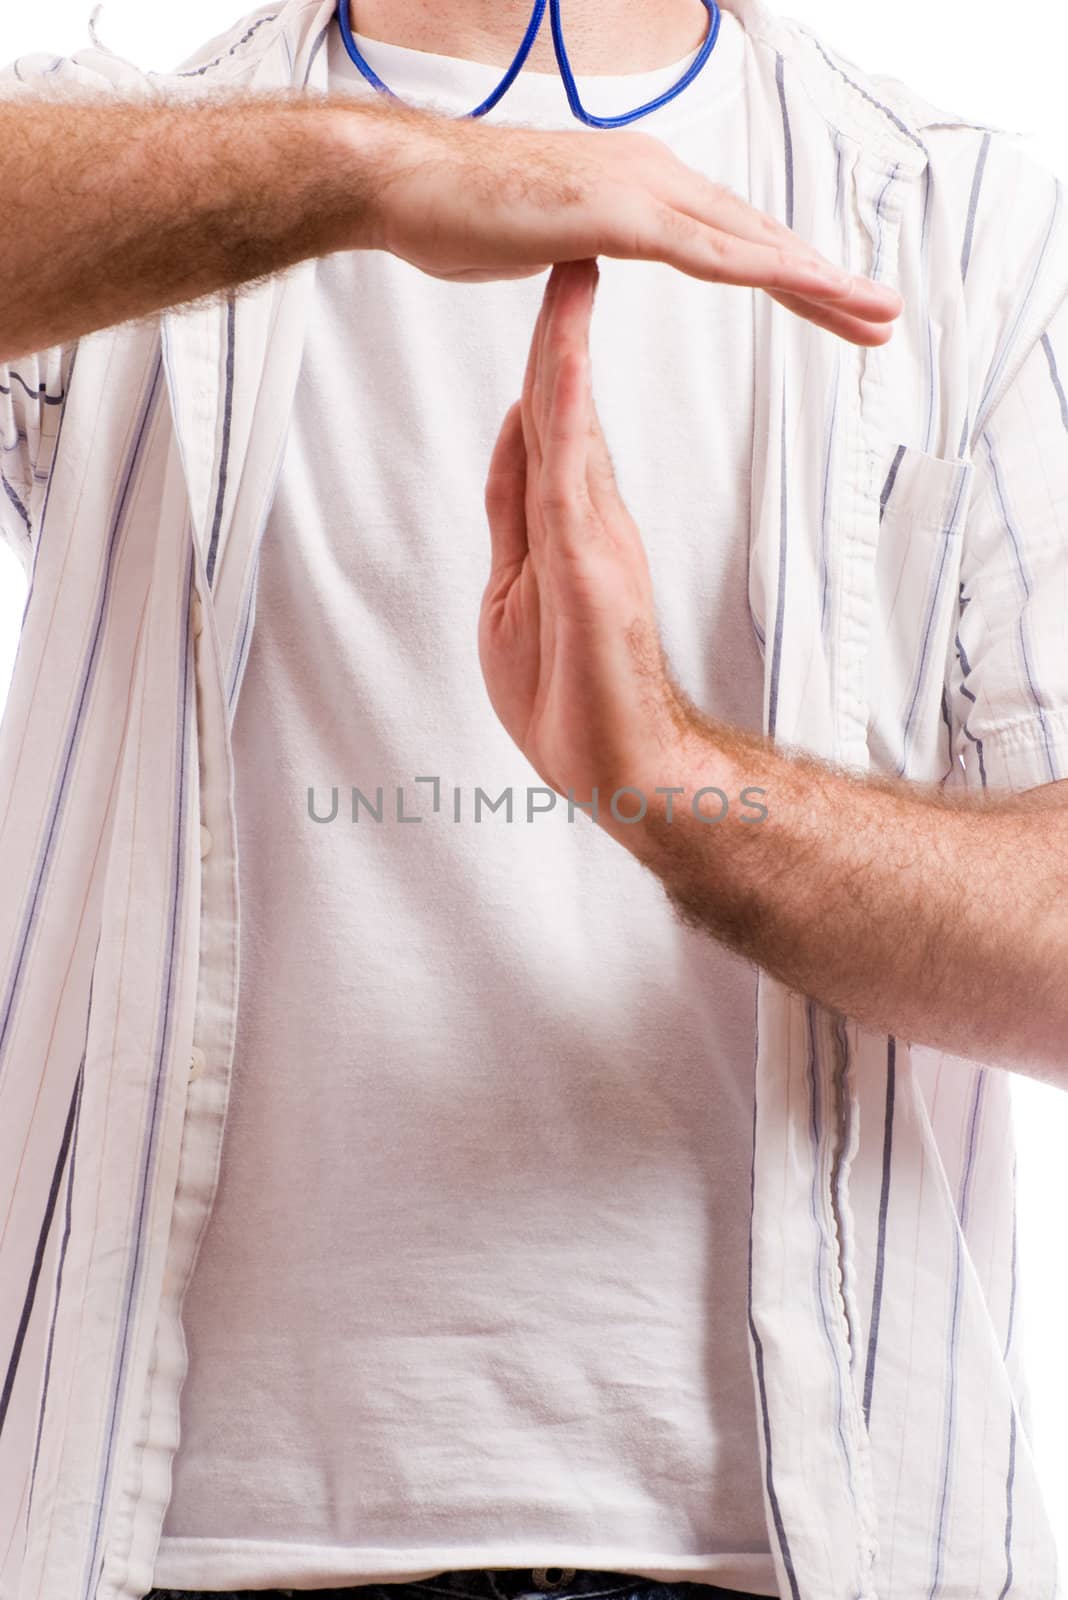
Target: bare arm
934,914
126,207
916,909
115,208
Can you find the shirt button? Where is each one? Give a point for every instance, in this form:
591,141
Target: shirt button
197,617
205,841
197,1063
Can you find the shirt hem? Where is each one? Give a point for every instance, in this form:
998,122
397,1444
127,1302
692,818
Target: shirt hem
244,1563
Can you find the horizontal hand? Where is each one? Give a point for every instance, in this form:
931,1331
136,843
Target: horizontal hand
471,202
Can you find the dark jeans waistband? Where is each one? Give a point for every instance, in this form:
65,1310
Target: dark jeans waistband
487,1583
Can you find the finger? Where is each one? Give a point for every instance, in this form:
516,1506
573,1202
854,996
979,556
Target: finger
576,471
610,513
645,229
566,336
532,406
855,329
718,206
532,387
506,494
600,472
559,278
569,304
562,489
527,398
564,420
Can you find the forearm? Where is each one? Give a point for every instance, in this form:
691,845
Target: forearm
120,208
942,919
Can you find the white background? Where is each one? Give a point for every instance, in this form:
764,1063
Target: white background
997,63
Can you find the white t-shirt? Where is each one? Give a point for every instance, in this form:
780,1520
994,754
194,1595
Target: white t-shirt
473,1289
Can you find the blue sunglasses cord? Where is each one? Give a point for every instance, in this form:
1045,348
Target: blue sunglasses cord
561,56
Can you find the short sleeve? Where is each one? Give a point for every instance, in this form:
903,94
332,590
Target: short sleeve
1007,686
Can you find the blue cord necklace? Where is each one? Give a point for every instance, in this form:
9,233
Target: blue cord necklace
561,56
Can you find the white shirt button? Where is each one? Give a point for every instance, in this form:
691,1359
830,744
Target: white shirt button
197,617
198,1061
205,841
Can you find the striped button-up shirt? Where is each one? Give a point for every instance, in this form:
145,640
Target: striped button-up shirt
908,584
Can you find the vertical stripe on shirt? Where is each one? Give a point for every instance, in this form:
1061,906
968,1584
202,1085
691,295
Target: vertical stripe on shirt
1011,1473
952,1353
758,1350
81,700
966,250
70,1143
891,478
879,217
1055,378
973,206
780,596
826,1248
1023,626
947,724
248,604
30,1297
316,47
1007,1585
968,695
788,141
830,434
925,279
244,640
1008,343
186,709
938,1551
948,532
224,462
778,1524
829,439
880,1244
1012,1291
62,400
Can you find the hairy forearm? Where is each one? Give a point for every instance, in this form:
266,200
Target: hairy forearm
939,917
119,208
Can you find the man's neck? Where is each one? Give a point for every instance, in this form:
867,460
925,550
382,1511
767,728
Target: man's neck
603,37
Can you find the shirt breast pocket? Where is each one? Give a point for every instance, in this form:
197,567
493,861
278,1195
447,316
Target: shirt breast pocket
923,507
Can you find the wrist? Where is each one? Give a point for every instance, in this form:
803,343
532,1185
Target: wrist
698,787
369,145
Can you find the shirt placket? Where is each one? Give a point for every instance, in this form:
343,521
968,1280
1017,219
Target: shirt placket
819,1498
